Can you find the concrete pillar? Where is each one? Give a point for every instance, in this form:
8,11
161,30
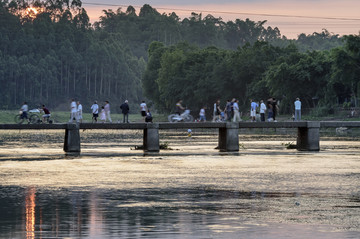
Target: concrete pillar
308,137
151,138
229,137
72,139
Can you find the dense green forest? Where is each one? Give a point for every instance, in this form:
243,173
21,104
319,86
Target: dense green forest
51,53
257,71
55,55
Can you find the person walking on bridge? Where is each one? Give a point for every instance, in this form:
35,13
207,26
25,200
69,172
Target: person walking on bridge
253,108
125,110
107,111
217,111
79,112
24,112
46,114
73,111
143,109
95,111
297,104
228,109
236,111
262,110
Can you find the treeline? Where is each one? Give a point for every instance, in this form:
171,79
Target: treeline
50,53
139,30
201,76
55,55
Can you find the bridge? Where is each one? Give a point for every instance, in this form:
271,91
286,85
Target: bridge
307,139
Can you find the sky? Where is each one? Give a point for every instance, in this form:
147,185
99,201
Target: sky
297,16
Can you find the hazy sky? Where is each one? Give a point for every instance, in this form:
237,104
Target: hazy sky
233,9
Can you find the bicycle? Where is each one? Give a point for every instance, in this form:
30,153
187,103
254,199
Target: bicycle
184,117
33,117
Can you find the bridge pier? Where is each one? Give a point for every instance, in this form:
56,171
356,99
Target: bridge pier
229,137
308,137
72,139
151,138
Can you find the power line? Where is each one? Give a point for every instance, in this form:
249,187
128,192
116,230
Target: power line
232,13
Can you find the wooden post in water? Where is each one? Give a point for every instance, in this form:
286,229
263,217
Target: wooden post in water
72,139
151,138
229,137
308,137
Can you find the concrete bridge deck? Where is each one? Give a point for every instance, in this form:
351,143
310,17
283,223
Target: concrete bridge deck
192,125
307,139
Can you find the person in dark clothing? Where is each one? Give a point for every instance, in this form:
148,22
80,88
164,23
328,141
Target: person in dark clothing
274,107
46,115
232,108
269,106
125,110
228,110
148,117
179,107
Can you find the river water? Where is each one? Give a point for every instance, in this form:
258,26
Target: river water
190,191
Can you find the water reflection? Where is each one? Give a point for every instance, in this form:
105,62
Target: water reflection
164,213
96,217
30,212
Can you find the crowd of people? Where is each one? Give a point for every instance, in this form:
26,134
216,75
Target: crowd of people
103,112
230,112
267,111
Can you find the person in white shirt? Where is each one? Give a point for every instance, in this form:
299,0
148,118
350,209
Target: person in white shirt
202,115
262,110
73,111
236,111
143,109
107,111
253,108
297,104
24,109
79,112
95,112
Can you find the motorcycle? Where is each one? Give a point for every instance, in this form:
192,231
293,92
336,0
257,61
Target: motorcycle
184,117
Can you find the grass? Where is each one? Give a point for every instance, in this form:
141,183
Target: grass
289,145
7,117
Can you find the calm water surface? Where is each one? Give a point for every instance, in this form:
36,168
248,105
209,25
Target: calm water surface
191,191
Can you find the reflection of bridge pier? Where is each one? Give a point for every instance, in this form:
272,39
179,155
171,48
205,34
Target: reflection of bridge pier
307,140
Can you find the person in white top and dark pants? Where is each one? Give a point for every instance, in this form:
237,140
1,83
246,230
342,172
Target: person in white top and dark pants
297,104
73,111
262,110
